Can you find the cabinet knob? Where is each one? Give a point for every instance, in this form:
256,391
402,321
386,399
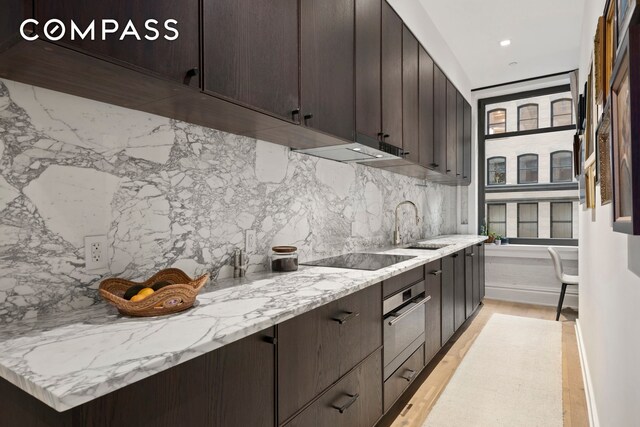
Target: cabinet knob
190,74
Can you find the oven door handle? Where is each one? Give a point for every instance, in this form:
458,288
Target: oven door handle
397,318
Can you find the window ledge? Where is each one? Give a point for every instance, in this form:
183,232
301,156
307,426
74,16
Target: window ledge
530,251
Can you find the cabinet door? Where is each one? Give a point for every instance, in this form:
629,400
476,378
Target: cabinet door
410,131
476,276
470,278
251,53
230,387
355,401
481,270
12,13
170,59
316,348
459,136
460,313
466,169
425,93
433,284
391,76
326,67
452,127
439,119
448,298
368,101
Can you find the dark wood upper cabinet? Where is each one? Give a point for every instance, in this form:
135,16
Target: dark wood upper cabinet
447,298
433,276
466,145
452,127
175,60
425,120
460,136
391,76
318,347
439,119
12,13
410,126
327,66
368,97
251,53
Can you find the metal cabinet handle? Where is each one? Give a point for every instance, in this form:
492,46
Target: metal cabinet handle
411,375
351,401
346,317
399,317
448,170
190,74
470,254
436,272
270,340
295,113
435,165
454,256
307,117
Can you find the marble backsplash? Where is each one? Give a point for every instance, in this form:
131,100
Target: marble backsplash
168,193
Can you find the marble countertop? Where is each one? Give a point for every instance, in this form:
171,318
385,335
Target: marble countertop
75,357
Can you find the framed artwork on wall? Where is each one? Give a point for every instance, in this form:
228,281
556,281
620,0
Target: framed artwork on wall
590,186
610,44
603,156
626,13
598,61
625,135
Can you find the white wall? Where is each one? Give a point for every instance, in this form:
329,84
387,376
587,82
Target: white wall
609,324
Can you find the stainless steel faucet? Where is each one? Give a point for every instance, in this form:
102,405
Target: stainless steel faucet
396,234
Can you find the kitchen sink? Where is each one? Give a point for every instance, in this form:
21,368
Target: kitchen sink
427,246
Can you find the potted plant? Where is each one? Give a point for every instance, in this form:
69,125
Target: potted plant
498,239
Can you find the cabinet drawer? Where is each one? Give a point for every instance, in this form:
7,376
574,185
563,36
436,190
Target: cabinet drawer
355,401
398,382
318,347
401,281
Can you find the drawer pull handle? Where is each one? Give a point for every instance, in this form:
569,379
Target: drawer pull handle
351,401
399,317
471,254
436,272
346,317
409,377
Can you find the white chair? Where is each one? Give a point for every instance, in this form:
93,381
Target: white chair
565,279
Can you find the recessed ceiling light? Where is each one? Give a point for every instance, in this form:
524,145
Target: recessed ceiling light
511,64
504,43
357,149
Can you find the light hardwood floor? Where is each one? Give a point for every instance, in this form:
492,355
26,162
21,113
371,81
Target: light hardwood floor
415,411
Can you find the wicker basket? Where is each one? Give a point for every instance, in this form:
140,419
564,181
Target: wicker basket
178,296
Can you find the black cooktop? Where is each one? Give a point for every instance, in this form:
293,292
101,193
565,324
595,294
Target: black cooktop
360,261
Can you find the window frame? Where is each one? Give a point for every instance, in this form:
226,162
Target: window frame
529,104
537,221
489,121
551,168
489,222
489,171
551,221
555,101
537,167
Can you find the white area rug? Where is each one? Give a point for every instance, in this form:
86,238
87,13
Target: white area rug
511,376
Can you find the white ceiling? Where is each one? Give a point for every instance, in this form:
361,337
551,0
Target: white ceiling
544,34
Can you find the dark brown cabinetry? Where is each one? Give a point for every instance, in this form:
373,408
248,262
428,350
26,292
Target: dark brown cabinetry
452,128
368,101
318,347
252,57
479,249
410,126
172,59
459,136
355,401
470,279
433,343
391,76
439,119
460,314
466,145
326,66
425,120
12,13
448,298
398,382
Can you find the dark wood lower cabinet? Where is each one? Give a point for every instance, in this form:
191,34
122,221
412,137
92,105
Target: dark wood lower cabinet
400,380
478,271
354,401
433,288
448,298
470,279
460,314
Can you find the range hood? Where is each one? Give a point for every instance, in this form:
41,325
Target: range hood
365,149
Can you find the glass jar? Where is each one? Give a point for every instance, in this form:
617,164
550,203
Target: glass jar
284,258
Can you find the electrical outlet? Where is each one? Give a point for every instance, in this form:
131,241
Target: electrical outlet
250,241
95,253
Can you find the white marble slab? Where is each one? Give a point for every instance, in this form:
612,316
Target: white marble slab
75,357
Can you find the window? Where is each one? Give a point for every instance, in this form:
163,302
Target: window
497,169
528,169
561,220
527,220
561,166
497,219
497,120
562,112
528,117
